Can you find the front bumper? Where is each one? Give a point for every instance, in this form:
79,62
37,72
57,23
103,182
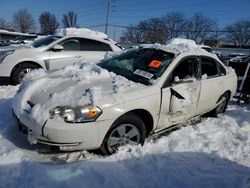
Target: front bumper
68,137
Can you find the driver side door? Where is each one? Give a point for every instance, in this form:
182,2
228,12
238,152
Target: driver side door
70,54
180,93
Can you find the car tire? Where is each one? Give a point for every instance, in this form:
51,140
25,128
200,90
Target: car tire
128,129
221,108
19,73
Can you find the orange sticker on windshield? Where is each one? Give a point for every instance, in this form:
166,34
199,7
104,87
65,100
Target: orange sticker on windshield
155,64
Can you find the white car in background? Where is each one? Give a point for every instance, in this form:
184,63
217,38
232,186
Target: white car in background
29,39
122,100
53,52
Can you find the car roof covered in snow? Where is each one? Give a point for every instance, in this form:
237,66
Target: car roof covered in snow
83,33
105,40
178,46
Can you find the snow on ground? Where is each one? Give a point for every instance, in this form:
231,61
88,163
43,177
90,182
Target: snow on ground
212,153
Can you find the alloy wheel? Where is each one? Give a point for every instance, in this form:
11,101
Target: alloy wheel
222,105
23,73
122,135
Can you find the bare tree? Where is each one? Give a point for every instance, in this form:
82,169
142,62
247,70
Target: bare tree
158,30
200,28
48,23
154,30
70,20
132,35
175,22
187,27
23,21
147,31
4,24
238,33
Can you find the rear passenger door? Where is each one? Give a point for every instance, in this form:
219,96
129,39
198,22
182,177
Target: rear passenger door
212,84
94,50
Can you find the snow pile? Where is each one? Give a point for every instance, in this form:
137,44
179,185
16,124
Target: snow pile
176,46
179,45
7,150
7,91
183,106
14,33
224,136
80,32
20,101
82,83
212,153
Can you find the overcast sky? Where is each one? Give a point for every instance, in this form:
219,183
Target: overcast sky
128,12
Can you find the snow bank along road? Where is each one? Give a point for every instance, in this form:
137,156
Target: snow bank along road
212,153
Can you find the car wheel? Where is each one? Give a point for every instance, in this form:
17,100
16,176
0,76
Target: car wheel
21,71
221,108
128,129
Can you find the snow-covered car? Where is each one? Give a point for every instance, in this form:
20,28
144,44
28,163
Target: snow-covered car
29,39
53,52
123,100
237,57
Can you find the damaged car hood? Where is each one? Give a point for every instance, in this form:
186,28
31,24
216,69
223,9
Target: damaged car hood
74,85
71,89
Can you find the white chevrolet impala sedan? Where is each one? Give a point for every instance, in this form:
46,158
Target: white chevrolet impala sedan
122,100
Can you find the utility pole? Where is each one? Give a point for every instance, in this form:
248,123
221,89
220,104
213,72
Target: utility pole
107,17
114,35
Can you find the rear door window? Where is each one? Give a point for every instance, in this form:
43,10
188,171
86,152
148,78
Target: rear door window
209,67
72,44
93,45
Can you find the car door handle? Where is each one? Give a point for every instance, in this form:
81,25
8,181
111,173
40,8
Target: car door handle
78,56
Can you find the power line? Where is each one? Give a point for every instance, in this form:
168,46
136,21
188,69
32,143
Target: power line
86,6
93,12
219,12
146,4
174,30
80,7
168,7
92,26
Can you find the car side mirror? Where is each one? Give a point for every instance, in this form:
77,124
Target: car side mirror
57,48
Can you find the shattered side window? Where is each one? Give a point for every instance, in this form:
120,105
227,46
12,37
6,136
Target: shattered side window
185,70
209,67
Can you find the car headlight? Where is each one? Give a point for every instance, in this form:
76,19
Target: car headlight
4,54
79,114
